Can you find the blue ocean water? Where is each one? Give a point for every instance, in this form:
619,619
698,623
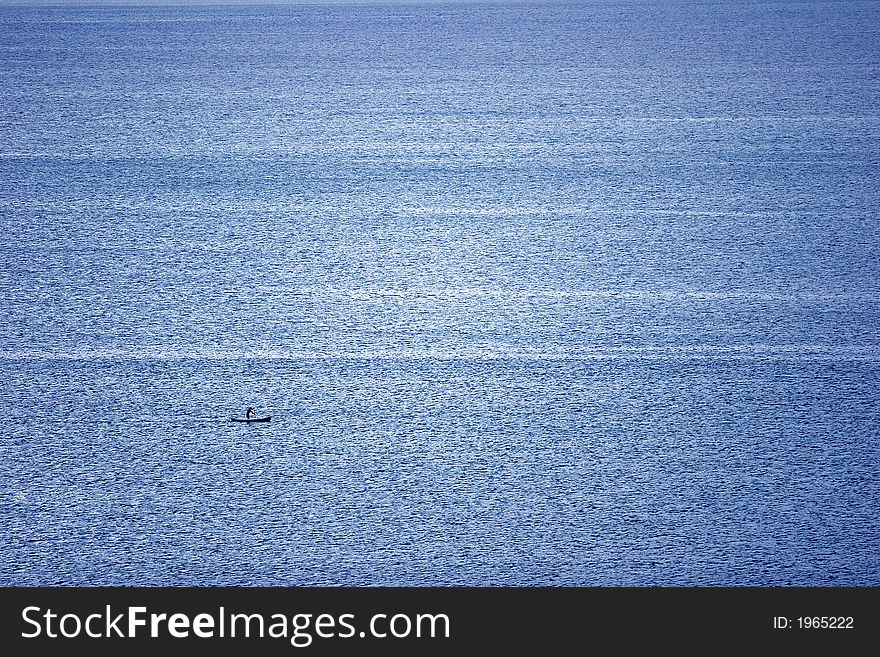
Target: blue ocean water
565,293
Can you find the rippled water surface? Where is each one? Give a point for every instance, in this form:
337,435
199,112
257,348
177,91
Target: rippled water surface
564,293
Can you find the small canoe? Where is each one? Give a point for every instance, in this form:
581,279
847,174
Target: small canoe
252,419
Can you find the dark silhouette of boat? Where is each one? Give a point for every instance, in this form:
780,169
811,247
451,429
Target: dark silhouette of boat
252,419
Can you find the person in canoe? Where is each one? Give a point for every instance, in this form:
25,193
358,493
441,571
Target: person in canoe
249,412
